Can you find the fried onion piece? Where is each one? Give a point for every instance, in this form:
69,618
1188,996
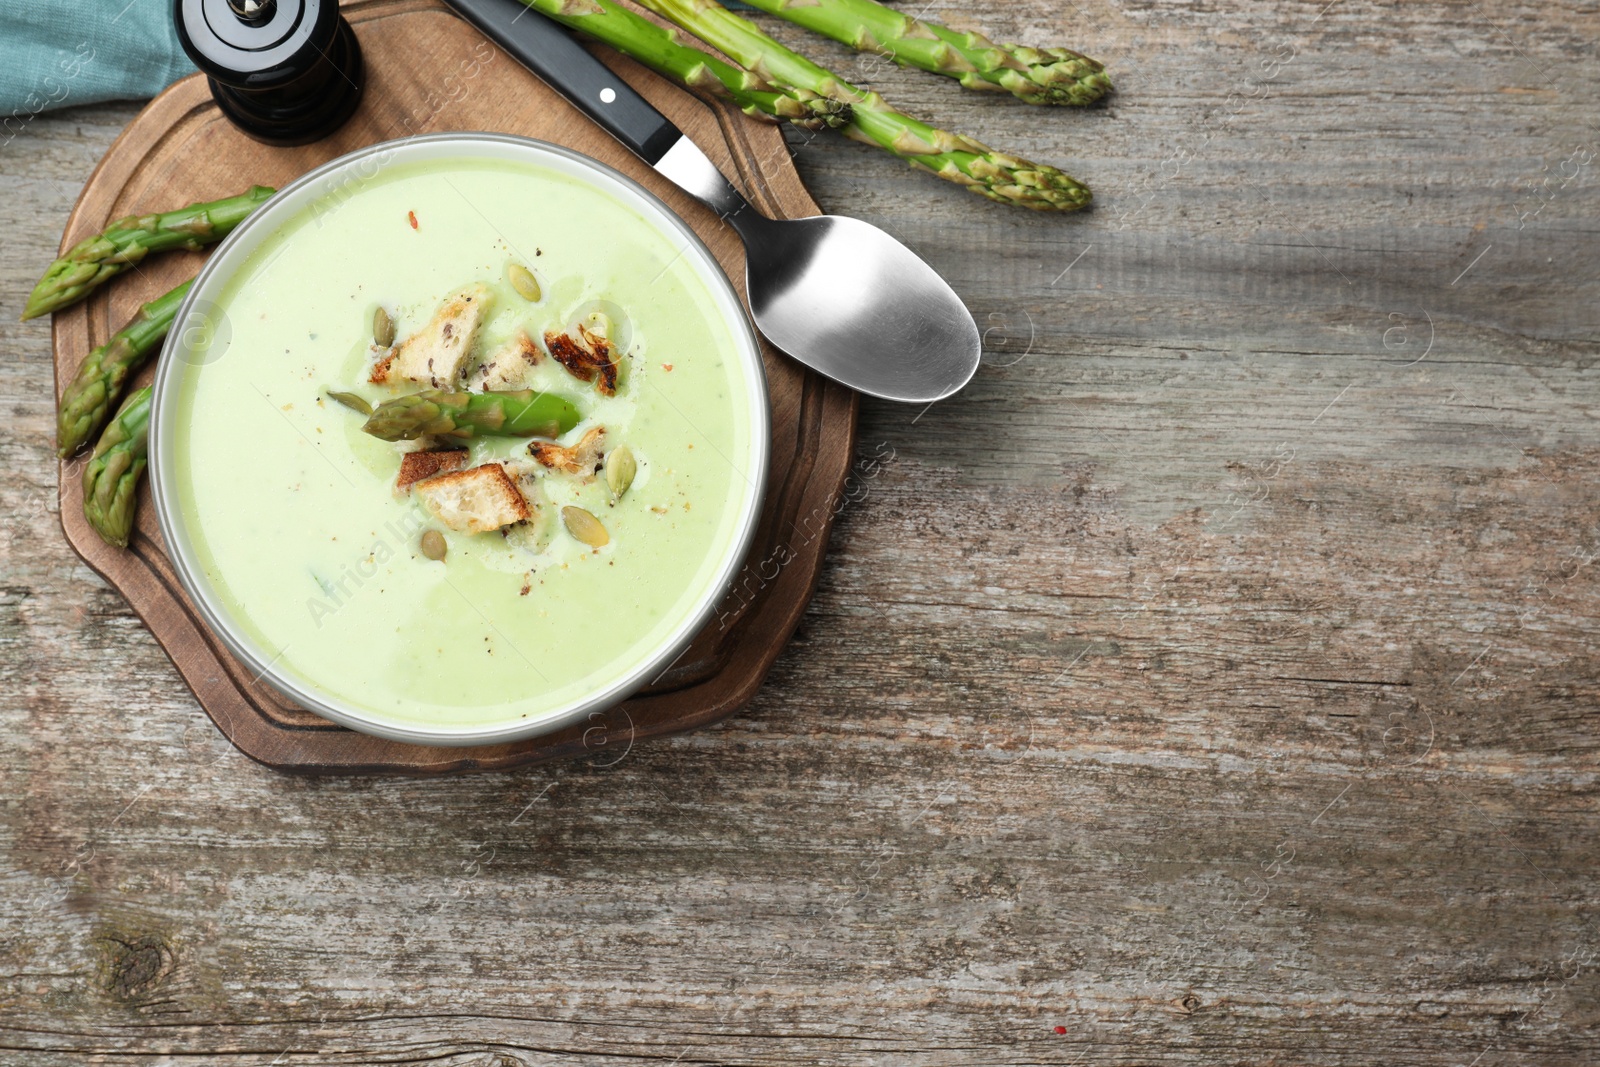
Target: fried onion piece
591,358
579,460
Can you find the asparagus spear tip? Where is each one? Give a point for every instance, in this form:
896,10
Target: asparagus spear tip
523,413
100,377
1035,75
96,260
111,478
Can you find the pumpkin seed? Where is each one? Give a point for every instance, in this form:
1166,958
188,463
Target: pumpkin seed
382,328
433,545
352,401
621,469
584,526
523,281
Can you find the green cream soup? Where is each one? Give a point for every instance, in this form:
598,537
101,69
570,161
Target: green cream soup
293,511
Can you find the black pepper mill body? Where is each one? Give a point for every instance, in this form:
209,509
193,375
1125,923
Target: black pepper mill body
286,72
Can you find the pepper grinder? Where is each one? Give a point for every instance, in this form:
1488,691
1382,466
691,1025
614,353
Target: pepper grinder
286,72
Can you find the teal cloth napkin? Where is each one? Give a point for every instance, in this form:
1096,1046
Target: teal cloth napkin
56,53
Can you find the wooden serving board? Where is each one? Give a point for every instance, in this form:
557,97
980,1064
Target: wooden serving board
428,72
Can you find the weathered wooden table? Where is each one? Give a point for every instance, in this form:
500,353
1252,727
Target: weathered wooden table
1214,681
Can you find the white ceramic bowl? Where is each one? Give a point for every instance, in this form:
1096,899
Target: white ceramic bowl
348,173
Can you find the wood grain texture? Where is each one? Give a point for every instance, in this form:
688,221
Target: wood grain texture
1215,679
180,149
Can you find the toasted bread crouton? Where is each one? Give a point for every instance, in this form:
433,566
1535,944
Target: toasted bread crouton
591,358
380,368
415,466
473,501
581,459
437,353
507,368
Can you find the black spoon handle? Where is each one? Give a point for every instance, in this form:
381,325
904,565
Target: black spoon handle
566,66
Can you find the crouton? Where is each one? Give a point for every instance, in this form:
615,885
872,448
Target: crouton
380,369
581,459
473,501
415,466
589,359
507,368
437,353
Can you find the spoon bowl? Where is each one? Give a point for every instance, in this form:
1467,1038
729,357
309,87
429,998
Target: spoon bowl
861,306
842,296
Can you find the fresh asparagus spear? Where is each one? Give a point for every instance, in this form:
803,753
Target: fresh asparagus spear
523,413
96,260
89,396
111,480
1036,75
665,51
951,156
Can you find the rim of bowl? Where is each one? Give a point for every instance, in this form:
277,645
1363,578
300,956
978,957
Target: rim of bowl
293,198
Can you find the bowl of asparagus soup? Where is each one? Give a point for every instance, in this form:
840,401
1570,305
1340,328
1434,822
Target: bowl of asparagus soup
459,439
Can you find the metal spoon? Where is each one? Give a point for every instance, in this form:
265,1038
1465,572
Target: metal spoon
837,294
